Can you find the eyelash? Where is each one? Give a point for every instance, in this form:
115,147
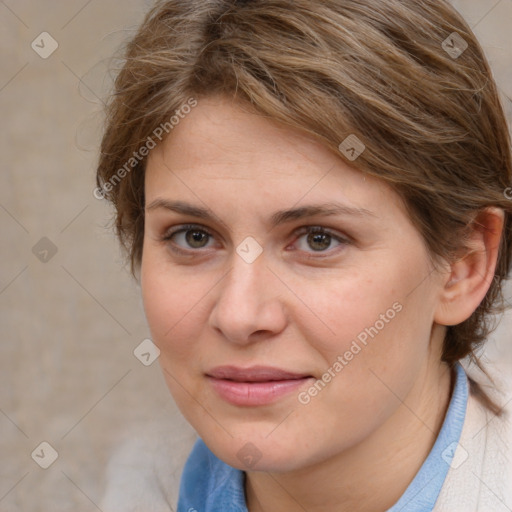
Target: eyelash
305,230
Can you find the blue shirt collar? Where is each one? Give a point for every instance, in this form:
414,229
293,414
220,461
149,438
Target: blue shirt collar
210,485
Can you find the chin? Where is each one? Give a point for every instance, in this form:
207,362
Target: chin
259,452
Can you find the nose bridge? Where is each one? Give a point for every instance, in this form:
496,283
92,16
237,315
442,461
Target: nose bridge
243,286
245,304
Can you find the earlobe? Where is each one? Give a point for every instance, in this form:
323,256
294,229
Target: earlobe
469,278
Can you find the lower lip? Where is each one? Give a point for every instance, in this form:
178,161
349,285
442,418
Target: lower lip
255,393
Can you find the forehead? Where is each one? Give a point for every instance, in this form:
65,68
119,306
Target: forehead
221,129
223,150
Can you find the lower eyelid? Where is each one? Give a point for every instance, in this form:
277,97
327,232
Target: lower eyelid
168,237
329,252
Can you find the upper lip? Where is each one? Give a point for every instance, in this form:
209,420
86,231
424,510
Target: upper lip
253,374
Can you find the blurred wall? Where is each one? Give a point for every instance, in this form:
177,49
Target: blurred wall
71,315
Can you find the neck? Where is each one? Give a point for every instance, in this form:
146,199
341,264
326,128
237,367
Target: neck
372,475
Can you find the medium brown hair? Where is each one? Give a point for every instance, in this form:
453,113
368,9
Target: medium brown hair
431,120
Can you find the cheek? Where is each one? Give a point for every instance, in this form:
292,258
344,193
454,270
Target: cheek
379,361
172,303
344,306
173,306
372,317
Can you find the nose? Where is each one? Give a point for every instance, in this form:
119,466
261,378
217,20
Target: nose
248,307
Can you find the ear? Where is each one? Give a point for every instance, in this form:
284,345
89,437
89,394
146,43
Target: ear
468,279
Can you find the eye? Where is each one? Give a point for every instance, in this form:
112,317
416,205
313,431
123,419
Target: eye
310,239
318,239
188,237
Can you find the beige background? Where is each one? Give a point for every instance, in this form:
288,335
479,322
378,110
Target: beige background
70,325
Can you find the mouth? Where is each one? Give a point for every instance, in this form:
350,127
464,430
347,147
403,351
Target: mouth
257,385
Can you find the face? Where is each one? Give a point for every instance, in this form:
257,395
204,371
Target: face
291,297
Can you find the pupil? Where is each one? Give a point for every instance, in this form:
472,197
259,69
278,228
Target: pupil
320,240
194,238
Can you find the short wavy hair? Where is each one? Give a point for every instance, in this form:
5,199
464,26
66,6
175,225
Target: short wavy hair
407,77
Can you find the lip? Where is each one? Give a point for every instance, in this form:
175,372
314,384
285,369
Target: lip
257,385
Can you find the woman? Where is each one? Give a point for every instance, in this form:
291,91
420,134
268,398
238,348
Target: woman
313,196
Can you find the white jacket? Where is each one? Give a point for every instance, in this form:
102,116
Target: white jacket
480,478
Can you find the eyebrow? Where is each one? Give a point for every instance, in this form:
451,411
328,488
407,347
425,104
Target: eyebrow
277,218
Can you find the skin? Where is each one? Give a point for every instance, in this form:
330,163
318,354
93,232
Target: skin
359,442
